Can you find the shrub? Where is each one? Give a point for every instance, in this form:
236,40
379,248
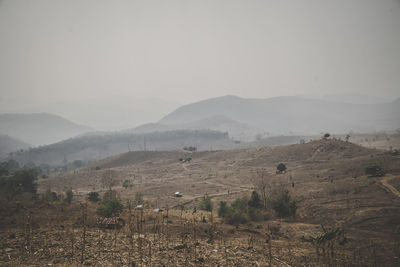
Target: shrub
223,209
374,170
49,195
284,205
138,198
127,183
280,168
68,196
236,217
242,210
109,209
255,200
206,204
94,197
19,184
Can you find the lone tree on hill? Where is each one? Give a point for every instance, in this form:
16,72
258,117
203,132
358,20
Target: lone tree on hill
280,168
326,136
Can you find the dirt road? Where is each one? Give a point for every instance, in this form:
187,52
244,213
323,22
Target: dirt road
385,183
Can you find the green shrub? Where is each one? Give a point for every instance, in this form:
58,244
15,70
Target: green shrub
109,209
236,217
284,205
374,170
223,209
206,204
242,210
280,168
94,197
255,200
127,183
19,184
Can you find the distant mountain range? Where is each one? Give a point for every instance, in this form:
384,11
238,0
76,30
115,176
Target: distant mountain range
39,128
292,115
227,122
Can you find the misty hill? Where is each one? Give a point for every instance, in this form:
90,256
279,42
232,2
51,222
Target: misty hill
293,115
9,144
237,130
98,146
39,128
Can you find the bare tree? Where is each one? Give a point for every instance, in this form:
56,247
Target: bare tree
261,183
109,179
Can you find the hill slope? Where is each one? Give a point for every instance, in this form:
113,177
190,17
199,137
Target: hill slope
326,177
283,115
237,130
98,146
39,128
9,144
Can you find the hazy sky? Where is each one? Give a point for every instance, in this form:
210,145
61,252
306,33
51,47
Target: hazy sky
183,51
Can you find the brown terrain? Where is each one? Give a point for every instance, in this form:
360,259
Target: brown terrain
326,177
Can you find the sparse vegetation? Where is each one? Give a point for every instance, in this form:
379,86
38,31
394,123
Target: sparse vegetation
374,170
255,200
190,148
280,168
94,197
127,184
110,209
18,184
284,205
49,195
69,196
173,232
109,179
138,198
206,204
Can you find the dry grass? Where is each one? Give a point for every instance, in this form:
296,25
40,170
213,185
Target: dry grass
326,177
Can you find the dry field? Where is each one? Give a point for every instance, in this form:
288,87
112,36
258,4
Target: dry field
326,177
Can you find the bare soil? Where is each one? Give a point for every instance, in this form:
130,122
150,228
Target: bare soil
326,177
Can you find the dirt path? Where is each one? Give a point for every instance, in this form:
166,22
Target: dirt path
385,183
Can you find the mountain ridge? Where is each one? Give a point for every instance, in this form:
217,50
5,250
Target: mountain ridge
39,128
292,115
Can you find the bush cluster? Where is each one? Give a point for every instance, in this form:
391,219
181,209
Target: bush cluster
374,170
284,205
206,204
242,210
17,184
110,208
94,197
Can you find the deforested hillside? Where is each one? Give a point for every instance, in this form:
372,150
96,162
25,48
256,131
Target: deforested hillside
93,147
39,128
329,180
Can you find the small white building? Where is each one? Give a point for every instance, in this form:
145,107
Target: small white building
178,194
